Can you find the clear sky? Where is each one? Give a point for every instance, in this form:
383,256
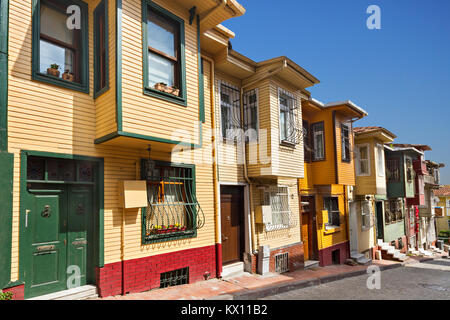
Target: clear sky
399,74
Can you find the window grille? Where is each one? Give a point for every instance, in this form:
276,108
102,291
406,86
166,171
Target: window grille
278,199
230,112
289,129
393,170
282,262
174,278
251,115
173,210
393,212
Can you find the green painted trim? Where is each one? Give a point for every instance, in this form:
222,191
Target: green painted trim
165,238
201,83
38,76
103,5
99,194
118,134
119,64
4,4
182,99
12,284
6,213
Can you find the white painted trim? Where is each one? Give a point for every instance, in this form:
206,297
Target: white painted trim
380,149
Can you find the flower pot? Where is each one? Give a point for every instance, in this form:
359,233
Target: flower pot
176,92
68,76
160,86
53,72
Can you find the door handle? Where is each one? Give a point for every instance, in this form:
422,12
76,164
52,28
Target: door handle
224,238
26,217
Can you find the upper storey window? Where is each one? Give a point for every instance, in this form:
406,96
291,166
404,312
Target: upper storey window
345,131
60,50
288,128
164,73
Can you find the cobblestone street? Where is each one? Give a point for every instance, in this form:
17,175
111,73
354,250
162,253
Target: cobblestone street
427,280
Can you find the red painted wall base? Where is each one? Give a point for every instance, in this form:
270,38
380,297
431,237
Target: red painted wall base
18,291
138,275
326,255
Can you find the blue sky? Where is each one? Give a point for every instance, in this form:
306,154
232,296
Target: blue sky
400,74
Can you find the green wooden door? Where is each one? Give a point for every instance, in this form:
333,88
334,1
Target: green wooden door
60,242
45,223
79,237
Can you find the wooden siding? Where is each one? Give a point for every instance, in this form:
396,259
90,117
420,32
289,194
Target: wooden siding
150,116
48,118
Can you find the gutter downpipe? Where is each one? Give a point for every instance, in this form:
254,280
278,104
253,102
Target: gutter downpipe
217,223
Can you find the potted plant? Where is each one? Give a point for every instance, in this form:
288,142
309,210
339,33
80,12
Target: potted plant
175,91
69,76
160,86
53,70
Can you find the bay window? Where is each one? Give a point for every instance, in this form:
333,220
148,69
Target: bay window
363,160
287,118
251,115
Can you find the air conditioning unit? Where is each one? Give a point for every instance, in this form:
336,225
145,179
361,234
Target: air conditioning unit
263,215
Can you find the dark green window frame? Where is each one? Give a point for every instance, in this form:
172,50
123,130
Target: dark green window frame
83,86
3,26
197,219
102,8
181,99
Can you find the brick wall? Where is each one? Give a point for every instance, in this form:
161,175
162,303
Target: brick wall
144,274
296,256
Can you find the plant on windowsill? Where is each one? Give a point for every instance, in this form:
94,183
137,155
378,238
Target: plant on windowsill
6,295
69,76
53,70
161,86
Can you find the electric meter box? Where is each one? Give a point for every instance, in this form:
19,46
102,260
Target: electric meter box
263,214
133,194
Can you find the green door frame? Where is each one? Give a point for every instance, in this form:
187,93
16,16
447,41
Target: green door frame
98,199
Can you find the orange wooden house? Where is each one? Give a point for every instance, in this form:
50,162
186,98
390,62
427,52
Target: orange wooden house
328,180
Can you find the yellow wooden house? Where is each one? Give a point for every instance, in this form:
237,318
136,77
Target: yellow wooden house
370,192
442,211
106,144
329,174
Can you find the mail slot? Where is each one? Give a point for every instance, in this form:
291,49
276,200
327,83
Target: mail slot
79,242
46,248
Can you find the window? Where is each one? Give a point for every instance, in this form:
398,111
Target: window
380,160
287,118
331,204
3,26
366,215
101,81
307,150
230,112
363,160
318,141
278,199
173,210
60,54
393,211
251,115
345,133
393,170
410,173
164,74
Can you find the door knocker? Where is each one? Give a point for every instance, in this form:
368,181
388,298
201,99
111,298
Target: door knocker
80,209
46,213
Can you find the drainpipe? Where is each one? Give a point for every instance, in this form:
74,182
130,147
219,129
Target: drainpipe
217,223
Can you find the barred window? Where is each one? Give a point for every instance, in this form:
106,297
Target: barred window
173,210
393,212
230,112
331,204
287,118
393,170
251,115
278,199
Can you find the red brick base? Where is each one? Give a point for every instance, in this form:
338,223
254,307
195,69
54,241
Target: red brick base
143,274
295,254
18,291
326,257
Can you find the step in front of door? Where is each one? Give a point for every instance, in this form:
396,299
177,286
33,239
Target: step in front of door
79,293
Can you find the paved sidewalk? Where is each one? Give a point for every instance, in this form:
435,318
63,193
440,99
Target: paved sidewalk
252,286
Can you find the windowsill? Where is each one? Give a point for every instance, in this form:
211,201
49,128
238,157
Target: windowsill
346,161
164,237
38,76
276,227
101,91
318,160
165,96
332,229
289,144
